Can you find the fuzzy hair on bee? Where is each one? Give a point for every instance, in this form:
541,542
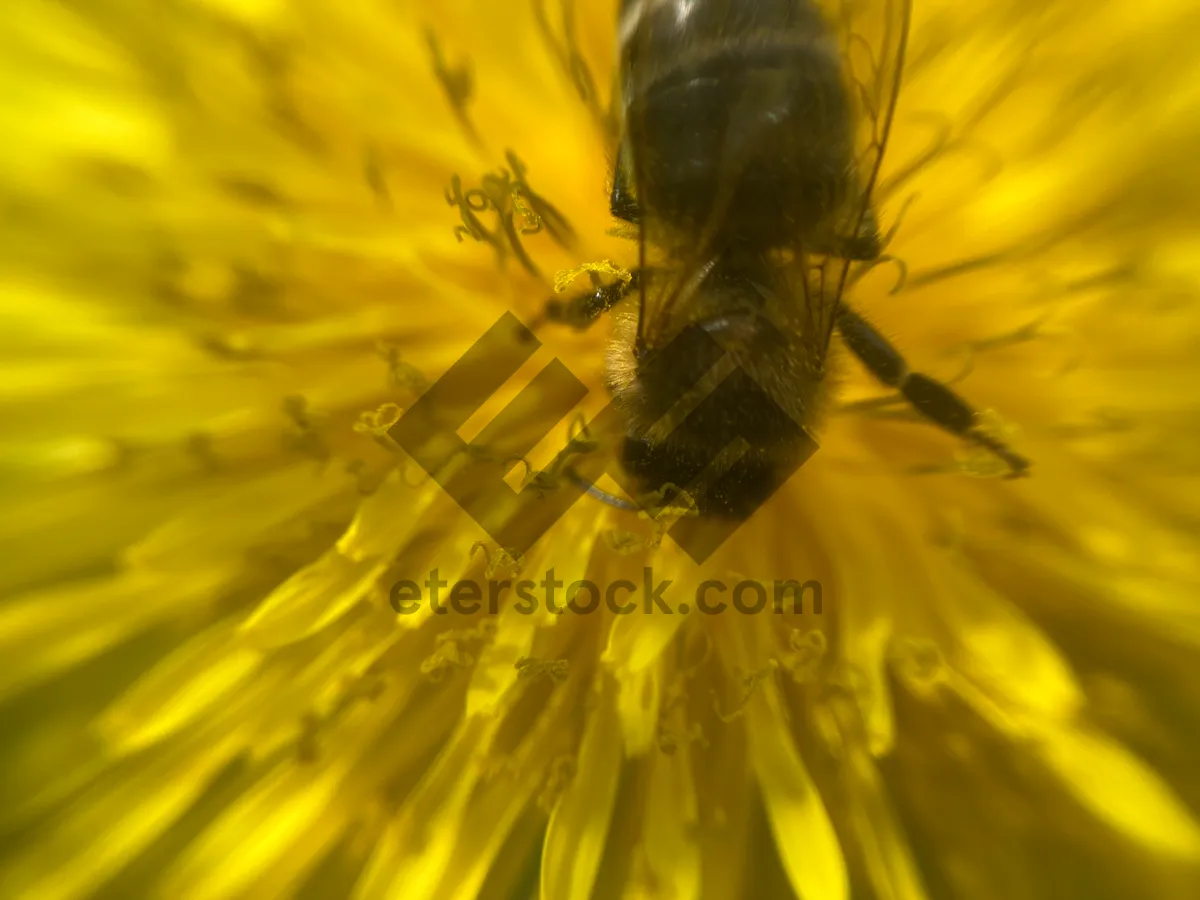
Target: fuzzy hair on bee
752,136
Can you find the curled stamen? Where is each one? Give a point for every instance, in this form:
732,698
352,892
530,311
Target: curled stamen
378,422
477,200
750,684
471,225
662,515
505,560
484,632
920,664
894,230
533,222
806,652
868,267
902,277
518,209
542,481
510,461
546,214
447,655
671,737
679,505
623,543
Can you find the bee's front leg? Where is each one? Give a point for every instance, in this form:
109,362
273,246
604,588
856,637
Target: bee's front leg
581,311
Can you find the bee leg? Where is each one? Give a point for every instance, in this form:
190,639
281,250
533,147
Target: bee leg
581,311
926,395
621,202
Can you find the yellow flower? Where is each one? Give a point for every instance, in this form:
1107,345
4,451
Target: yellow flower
230,267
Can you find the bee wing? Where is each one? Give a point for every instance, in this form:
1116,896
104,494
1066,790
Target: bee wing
721,154
874,37
674,260
685,158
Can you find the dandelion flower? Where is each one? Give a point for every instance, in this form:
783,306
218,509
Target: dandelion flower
230,266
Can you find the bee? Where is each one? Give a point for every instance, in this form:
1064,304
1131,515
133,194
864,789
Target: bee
744,169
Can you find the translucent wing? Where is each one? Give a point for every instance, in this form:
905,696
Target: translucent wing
758,125
712,91
873,35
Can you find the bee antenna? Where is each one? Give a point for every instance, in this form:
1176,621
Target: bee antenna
602,496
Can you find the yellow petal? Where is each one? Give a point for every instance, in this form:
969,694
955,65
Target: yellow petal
670,828
117,818
290,810
51,630
311,599
804,836
724,794
180,689
637,639
1122,791
875,599
493,816
578,828
387,518
636,643
413,854
994,640
889,862
223,526
639,697
496,671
